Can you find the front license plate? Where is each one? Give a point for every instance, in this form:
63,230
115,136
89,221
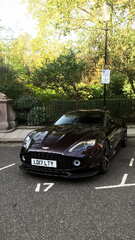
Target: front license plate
43,163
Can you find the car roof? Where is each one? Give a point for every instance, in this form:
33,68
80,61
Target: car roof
88,111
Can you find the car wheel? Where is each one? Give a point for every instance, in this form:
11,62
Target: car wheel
105,162
104,166
124,140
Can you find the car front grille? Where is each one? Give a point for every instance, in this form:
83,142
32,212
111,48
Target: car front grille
63,162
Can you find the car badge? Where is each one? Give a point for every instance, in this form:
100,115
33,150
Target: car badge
45,148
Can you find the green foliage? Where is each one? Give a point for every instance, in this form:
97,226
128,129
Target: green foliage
26,102
47,95
97,90
116,86
37,116
62,74
52,71
86,20
9,83
86,92
128,90
23,106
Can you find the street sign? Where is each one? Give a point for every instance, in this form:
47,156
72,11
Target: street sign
105,76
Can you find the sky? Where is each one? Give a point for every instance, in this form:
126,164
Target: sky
14,16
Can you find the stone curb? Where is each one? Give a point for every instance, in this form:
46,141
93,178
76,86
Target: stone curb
9,140
8,131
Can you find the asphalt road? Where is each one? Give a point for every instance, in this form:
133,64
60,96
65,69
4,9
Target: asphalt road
38,208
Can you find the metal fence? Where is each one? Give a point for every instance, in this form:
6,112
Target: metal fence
44,113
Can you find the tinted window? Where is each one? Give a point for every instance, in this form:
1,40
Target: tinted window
66,119
91,118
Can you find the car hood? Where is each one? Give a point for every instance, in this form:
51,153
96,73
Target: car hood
61,138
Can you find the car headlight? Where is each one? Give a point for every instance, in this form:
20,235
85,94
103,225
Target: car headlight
82,146
34,137
27,142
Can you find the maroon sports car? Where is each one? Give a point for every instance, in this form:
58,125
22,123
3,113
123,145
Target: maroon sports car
79,144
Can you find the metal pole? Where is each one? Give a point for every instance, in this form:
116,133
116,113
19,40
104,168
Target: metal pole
104,95
105,59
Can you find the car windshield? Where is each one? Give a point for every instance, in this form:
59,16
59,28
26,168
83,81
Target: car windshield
89,118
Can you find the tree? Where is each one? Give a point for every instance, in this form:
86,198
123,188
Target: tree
124,60
85,19
62,74
9,83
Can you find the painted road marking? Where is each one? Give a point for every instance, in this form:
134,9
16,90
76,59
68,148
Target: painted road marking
124,179
116,186
131,162
7,166
122,184
46,188
38,187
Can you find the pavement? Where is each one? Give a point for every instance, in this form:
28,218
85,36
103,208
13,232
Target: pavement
18,134
96,208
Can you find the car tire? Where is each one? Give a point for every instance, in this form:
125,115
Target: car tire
124,140
105,162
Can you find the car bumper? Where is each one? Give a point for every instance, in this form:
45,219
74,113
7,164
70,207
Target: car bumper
60,173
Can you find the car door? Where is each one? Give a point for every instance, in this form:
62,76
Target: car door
113,132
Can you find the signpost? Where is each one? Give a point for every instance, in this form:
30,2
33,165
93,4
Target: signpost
105,76
105,79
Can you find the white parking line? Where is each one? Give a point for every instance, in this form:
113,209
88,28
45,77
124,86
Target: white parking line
124,179
8,166
131,162
116,186
122,184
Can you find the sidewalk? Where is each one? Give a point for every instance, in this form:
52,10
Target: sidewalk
17,135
